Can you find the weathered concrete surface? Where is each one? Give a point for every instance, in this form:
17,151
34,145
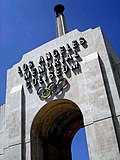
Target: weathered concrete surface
95,90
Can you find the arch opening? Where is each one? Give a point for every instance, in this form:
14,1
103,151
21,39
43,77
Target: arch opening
53,129
79,146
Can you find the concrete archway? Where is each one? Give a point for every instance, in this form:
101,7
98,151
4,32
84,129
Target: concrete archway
53,129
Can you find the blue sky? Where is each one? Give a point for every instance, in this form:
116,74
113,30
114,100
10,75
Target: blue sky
27,24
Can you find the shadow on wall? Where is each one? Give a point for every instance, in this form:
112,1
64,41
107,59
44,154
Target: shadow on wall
53,129
111,103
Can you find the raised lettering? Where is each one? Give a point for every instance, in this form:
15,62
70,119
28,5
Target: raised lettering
76,54
75,44
62,50
48,56
25,67
58,71
62,59
27,75
19,70
45,77
51,74
65,68
41,60
40,80
55,52
82,41
28,84
35,81
41,69
57,62
68,47
49,65
75,65
34,72
31,64
69,57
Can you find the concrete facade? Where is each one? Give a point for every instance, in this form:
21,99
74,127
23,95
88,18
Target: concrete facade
94,89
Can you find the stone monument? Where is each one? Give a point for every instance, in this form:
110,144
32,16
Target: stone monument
68,83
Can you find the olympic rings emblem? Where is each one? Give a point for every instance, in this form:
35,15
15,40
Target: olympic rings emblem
52,88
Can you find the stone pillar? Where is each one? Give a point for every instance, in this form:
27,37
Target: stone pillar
61,27
101,136
14,147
